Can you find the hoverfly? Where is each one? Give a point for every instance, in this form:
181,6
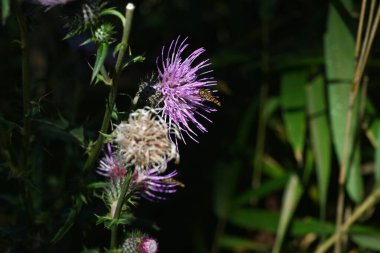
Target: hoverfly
207,95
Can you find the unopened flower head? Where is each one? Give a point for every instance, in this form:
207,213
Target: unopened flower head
140,243
83,15
109,165
181,84
143,141
150,184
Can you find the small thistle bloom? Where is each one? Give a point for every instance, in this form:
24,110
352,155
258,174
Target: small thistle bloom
109,165
140,244
148,245
181,84
143,141
150,184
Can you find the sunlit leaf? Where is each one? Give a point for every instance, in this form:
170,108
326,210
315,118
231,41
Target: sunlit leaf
101,55
292,196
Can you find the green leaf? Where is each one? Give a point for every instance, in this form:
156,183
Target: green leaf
355,187
113,12
267,188
101,55
242,244
339,55
5,10
293,105
367,241
340,66
377,156
263,220
78,203
226,178
272,105
292,196
320,137
272,168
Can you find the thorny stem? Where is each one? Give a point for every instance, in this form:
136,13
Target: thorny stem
368,203
119,205
26,104
366,48
95,150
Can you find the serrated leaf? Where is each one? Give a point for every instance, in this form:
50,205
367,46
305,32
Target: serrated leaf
78,203
294,111
320,137
101,55
292,196
138,58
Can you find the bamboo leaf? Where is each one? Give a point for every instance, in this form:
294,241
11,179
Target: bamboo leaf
263,220
367,241
292,195
355,187
239,243
101,55
377,154
293,105
226,179
340,65
267,188
320,137
339,54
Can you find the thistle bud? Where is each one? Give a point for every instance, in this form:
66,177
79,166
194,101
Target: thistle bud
140,244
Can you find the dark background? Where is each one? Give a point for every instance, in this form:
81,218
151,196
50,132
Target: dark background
248,43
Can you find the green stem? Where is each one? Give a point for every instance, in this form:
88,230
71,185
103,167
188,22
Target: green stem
24,44
367,204
95,150
119,205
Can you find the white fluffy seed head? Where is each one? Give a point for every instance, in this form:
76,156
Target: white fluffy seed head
144,141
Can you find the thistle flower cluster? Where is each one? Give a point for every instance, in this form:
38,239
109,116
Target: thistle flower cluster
141,147
139,243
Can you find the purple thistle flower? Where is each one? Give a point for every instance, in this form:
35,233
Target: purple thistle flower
50,3
140,244
109,165
181,84
148,245
150,184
